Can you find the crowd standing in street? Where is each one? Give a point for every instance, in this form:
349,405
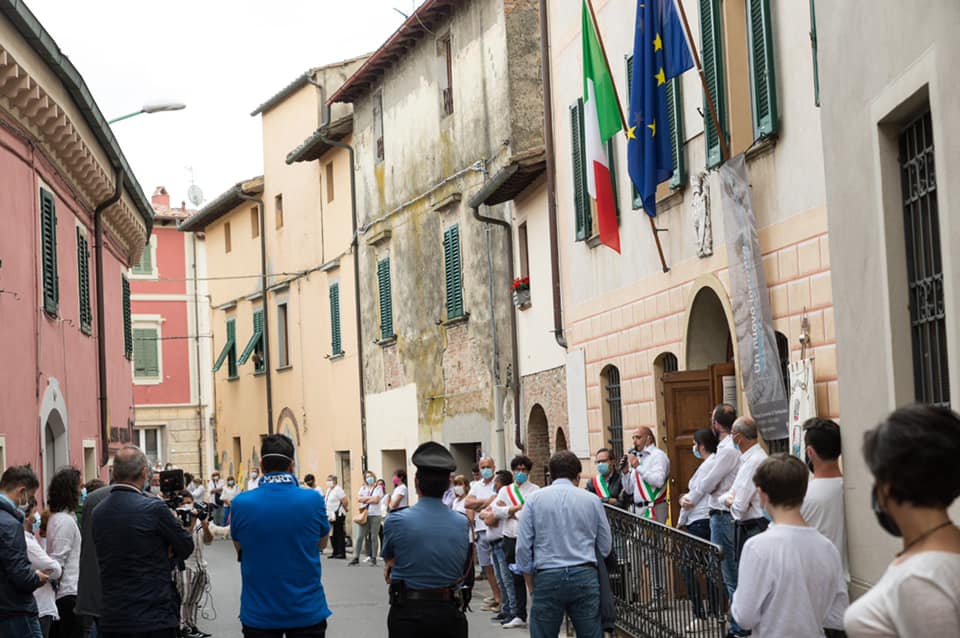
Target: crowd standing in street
508,509
480,497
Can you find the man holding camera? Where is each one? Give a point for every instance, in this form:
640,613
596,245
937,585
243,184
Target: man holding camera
138,540
192,580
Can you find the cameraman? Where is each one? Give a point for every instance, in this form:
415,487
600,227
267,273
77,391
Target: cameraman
192,581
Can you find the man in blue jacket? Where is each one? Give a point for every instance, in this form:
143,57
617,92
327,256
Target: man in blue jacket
18,610
279,531
139,541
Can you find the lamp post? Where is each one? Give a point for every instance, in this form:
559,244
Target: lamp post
151,107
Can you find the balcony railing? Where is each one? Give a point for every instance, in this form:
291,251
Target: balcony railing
667,583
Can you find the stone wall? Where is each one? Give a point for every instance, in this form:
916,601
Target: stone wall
548,390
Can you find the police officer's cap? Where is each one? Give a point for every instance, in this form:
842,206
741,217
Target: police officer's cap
433,456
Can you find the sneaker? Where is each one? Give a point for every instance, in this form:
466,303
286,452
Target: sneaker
494,606
367,559
373,563
489,600
353,563
500,618
200,632
516,623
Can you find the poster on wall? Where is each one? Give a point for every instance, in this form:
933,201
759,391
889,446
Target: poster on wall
803,404
759,359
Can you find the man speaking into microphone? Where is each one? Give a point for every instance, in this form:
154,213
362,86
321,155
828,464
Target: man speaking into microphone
279,531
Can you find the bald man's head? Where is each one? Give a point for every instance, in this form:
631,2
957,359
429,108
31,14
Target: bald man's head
129,465
642,437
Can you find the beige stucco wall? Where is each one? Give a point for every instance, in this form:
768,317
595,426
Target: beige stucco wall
897,58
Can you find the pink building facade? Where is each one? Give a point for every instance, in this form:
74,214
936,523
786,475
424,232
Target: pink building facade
171,371
66,394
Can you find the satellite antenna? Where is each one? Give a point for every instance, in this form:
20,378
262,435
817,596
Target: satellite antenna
194,194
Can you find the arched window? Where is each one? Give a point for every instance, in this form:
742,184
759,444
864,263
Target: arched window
612,408
669,362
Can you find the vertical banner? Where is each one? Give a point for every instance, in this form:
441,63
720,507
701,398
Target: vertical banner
757,345
803,404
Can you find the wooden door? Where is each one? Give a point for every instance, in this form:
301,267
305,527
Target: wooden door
687,400
718,373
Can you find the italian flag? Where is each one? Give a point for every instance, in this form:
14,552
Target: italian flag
601,121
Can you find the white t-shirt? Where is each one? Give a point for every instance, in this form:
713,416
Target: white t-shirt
400,492
45,596
823,509
253,483
332,498
196,491
508,497
63,545
917,598
790,584
373,509
482,492
228,493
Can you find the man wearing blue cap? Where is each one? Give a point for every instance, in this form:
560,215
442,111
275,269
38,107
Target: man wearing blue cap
427,555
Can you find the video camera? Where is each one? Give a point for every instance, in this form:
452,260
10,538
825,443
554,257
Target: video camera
203,511
171,484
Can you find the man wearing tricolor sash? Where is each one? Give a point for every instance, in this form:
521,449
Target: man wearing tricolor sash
647,480
607,483
508,508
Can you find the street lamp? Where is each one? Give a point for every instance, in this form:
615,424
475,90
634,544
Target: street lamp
151,107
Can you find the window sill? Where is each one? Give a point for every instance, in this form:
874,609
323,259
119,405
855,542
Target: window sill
87,330
336,357
447,323
593,241
285,368
259,373
389,341
524,306
147,381
761,146
236,378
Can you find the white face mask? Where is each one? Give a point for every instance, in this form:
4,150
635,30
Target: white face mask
458,490
329,485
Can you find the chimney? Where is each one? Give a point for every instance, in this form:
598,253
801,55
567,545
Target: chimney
160,197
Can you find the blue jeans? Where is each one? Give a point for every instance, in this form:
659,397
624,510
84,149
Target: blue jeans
722,534
508,595
20,627
574,590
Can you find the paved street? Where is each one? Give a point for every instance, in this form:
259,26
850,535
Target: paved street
357,597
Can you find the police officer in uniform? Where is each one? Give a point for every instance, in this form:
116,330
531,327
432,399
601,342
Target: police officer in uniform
427,555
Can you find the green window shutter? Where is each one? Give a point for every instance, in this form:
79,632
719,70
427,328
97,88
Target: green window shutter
711,48
145,265
48,248
256,338
258,344
386,298
229,348
146,353
612,163
453,274
763,82
83,282
675,111
336,343
127,325
637,201
581,198
813,51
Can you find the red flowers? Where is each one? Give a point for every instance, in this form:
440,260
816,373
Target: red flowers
521,283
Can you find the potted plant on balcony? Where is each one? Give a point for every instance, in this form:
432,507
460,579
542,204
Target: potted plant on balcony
521,292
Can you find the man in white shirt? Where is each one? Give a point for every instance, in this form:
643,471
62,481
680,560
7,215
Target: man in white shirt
194,486
743,499
508,508
823,504
714,484
214,496
480,497
254,481
647,480
791,580
337,506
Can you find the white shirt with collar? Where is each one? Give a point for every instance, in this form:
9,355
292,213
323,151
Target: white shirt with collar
746,501
718,480
501,507
334,501
45,596
654,468
482,491
701,507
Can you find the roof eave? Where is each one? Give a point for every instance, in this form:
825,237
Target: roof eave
222,204
315,146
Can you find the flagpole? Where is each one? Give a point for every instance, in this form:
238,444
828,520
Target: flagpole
711,105
623,121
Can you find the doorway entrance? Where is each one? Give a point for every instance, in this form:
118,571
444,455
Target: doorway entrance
56,449
466,455
538,439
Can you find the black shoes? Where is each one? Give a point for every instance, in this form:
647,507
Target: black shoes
193,632
354,562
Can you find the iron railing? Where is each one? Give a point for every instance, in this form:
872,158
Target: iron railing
667,583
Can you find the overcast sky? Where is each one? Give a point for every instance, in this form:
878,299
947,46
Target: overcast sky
222,58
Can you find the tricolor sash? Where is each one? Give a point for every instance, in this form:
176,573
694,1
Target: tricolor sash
653,496
600,487
515,496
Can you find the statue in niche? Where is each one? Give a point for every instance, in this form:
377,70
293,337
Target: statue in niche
700,185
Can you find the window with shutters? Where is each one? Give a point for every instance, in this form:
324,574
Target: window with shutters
146,268
254,348
127,321
228,353
83,281
254,222
386,299
445,53
330,191
711,50
378,126
336,336
227,241
586,223
278,211
763,81
453,272
612,409
147,353
283,345
48,252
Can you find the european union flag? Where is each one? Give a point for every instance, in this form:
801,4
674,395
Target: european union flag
660,53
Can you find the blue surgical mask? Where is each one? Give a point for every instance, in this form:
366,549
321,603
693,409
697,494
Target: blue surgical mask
520,478
603,468
36,522
486,473
83,495
369,480
696,452
766,515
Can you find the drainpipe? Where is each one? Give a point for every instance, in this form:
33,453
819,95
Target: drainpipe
551,176
201,432
101,329
355,246
266,310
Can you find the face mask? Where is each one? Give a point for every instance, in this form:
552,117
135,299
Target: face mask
603,468
83,495
329,485
696,452
810,465
253,475
766,514
486,473
36,522
520,477
369,480
396,481
884,519
146,486
458,490
231,483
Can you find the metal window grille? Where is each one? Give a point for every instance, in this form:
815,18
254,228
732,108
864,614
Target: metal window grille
615,410
921,225
670,363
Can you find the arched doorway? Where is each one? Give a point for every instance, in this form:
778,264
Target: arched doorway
288,426
54,431
561,440
538,438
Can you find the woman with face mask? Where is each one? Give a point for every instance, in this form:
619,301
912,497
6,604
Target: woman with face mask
913,458
230,490
63,545
368,531
39,559
399,498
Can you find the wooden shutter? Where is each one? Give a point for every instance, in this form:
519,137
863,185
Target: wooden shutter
612,164
258,342
336,344
637,201
232,351
229,348
711,48
83,282
386,298
763,82
675,112
48,248
145,265
453,273
581,198
127,325
146,353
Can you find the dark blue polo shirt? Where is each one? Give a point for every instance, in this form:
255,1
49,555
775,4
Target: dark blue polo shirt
279,526
428,543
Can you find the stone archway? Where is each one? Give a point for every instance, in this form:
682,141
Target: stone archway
538,438
561,440
287,425
54,431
